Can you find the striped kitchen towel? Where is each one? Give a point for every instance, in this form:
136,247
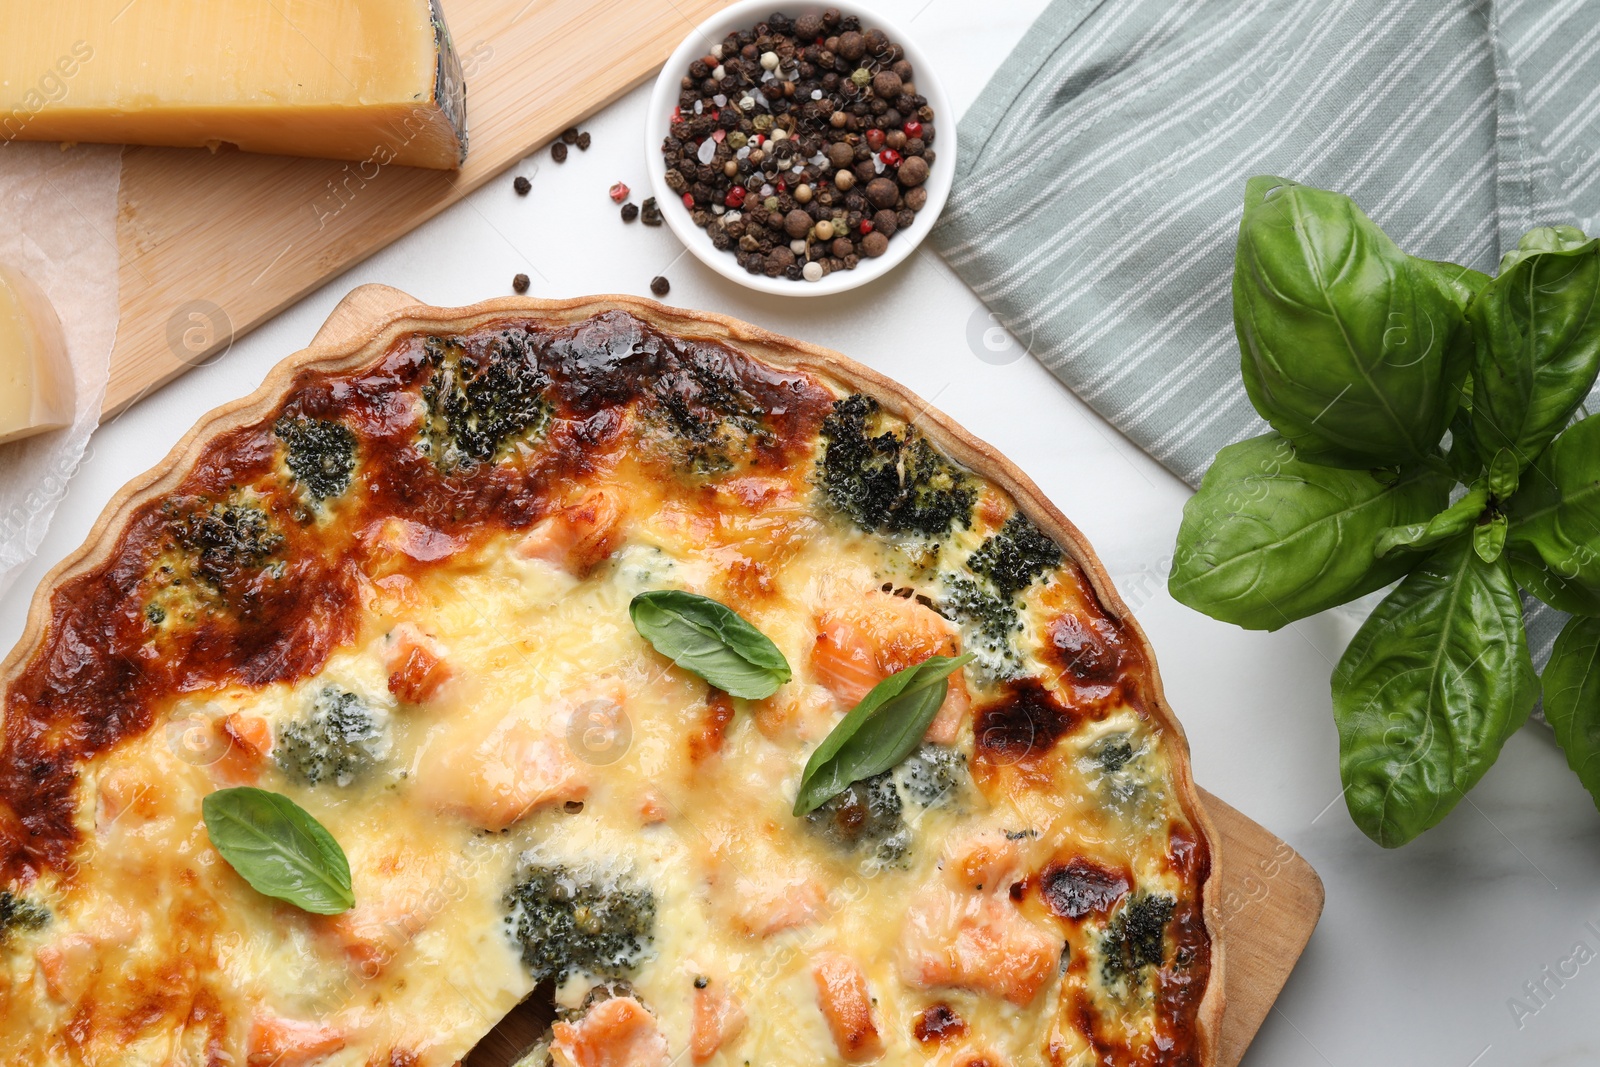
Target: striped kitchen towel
1102,173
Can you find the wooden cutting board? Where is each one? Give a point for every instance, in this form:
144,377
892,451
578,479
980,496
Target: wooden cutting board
1270,897
212,245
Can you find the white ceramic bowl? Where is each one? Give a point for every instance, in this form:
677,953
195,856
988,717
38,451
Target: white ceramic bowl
665,97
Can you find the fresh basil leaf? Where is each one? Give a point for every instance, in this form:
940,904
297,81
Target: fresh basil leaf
1503,474
1572,698
279,849
879,732
1350,347
1456,519
1537,351
1464,283
1434,682
1554,541
1489,538
1543,239
710,640
1269,538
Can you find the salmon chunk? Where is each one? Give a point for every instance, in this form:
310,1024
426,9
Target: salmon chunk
716,1018
861,641
846,1003
614,1033
279,1042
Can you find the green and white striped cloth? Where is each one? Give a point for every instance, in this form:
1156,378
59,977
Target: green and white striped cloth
1102,173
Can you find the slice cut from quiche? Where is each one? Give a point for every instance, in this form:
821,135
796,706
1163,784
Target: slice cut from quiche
394,586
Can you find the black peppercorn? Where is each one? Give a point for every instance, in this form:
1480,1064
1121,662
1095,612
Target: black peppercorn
558,152
583,141
630,211
522,185
570,135
660,286
519,284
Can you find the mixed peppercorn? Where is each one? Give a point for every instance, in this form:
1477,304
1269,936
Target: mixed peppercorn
801,145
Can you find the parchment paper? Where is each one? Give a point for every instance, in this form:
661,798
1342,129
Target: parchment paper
58,224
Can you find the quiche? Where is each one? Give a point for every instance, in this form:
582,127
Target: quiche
394,587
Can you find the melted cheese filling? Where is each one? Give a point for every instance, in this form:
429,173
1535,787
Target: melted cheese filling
562,737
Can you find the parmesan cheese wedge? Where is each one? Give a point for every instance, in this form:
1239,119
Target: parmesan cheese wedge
374,81
36,386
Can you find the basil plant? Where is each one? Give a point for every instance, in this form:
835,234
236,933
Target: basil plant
1428,429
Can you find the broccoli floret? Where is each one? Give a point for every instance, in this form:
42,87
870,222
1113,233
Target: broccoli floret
478,403
337,739
990,623
570,921
1013,558
18,913
933,775
889,481
1115,754
320,453
865,818
1135,938
704,442
226,540
868,818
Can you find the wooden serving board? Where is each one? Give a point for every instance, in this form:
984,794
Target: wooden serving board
212,245
1268,895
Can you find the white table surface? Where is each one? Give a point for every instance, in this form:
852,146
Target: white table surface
1420,951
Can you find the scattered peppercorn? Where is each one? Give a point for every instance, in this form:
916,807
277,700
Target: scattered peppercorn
558,152
660,286
650,212
618,193
630,211
522,185
583,141
800,145
570,135
519,284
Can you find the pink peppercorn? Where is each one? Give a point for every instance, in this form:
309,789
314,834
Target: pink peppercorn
890,157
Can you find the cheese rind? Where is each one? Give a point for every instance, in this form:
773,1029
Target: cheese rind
36,384
363,80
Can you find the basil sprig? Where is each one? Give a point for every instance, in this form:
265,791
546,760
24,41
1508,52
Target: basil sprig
279,849
879,732
710,640
1362,358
